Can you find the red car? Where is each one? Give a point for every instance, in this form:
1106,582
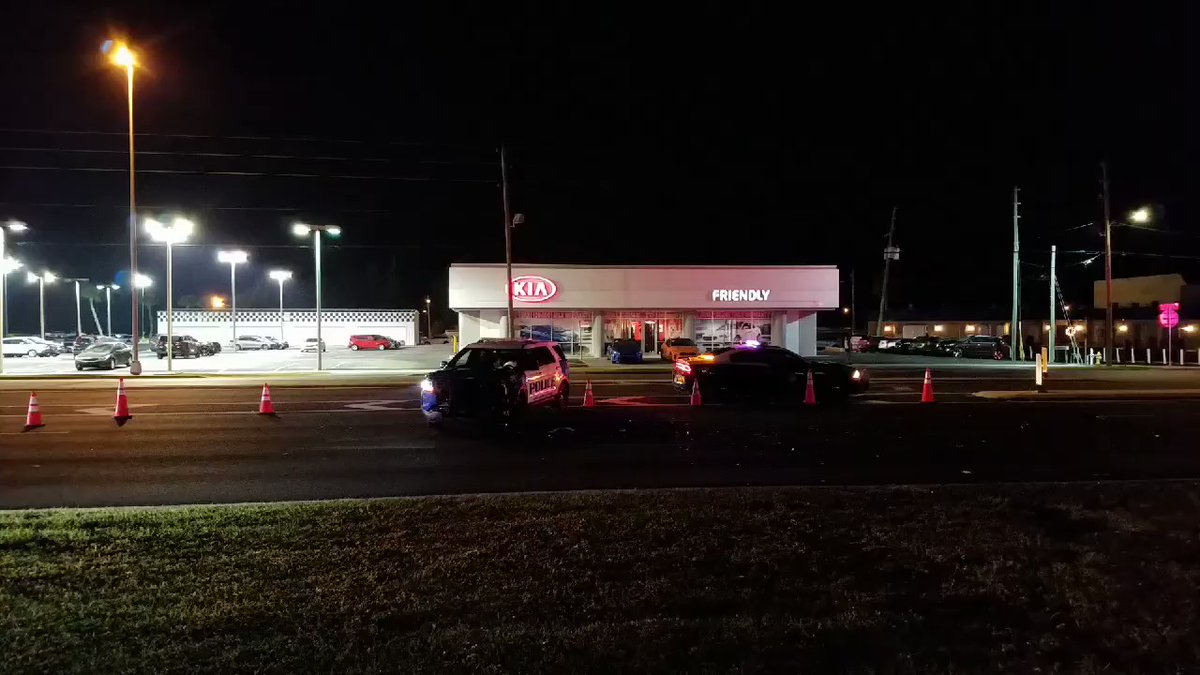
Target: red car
378,342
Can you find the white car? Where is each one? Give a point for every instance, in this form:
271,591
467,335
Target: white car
23,346
310,345
251,342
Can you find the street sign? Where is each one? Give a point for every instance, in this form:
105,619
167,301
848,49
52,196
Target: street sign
1168,317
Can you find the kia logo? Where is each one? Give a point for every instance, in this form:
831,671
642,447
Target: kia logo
532,288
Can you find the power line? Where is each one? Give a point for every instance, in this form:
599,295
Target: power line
281,139
160,207
259,174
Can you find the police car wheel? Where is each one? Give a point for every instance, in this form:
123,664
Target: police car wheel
564,397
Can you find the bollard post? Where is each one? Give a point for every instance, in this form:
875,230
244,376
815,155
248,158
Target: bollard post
1164,356
1148,361
1118,354
1037,371
1045,359
1181,358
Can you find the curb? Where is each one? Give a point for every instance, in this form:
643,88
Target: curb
1090,394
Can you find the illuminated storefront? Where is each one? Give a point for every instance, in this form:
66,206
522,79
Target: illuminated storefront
585,308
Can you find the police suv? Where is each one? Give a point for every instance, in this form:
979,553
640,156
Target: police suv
497,379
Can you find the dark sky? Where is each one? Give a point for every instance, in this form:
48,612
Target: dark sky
691,134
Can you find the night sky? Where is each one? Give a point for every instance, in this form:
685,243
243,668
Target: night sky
673,135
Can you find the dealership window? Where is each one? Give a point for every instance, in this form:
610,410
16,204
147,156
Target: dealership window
571,330
649,327
721,329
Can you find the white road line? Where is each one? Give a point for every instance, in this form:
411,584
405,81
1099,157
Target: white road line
38,432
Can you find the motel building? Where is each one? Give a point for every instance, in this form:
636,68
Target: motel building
585,308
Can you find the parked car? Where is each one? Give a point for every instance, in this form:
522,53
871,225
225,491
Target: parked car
107,355
55,348
442,339
184,347
376,342
251,342
766,374
678,348
497,380
275,343
626,351
980,347
84,341
23,346
211,348
926,344
310,345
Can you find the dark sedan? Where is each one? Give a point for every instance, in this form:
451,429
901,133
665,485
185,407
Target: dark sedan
107,355
766,373
979,347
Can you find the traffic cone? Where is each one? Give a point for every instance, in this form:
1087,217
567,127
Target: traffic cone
927,389
589,401
121,414
265,407
33,418
695,399
810,394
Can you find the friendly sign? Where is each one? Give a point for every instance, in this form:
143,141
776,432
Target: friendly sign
741,294
531,288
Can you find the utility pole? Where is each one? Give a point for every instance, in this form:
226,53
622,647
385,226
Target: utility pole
1053,296
507,242
890,253
852,300
1015,348
1109,337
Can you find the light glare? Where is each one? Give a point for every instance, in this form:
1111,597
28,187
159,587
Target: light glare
280,275
1141,215
301,230
232,257
16,226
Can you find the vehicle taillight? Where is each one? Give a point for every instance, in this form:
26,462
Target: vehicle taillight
683,367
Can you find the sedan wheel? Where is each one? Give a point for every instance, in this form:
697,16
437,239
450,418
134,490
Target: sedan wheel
353,348
999,356
78,366
31,353
381,347
958,353
111,364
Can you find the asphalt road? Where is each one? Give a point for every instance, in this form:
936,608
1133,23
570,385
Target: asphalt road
206,444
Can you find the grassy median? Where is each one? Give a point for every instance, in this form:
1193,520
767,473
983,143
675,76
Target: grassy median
1000,579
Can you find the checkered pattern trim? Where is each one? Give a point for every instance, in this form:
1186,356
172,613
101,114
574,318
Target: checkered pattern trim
272,315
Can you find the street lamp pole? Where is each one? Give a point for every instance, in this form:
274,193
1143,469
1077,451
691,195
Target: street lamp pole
303,230
1109,336
124,57
281,276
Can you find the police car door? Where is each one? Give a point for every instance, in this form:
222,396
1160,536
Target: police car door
541,383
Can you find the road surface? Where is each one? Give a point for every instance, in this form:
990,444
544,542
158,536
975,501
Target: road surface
203,444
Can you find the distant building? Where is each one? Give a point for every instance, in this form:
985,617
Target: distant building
1135,292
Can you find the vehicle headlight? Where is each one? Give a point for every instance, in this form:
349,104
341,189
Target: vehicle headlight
427,386
856,375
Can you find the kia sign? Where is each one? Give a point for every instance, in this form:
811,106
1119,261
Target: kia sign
531,288
1169,316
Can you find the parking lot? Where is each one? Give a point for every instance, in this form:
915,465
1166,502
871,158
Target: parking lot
416,358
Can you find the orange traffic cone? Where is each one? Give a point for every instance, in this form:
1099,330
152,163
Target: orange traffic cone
695,399
927,389
810,394
589,401
265,407
121,414
33,418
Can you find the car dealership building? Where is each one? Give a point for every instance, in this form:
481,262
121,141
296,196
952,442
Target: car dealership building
584,308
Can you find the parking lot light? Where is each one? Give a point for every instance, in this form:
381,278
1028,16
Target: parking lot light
175,233
233,258
41,279
280,276
6,265
303,230
108,289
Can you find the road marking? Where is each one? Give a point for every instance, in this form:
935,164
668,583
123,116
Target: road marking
35,432
381,405
108,410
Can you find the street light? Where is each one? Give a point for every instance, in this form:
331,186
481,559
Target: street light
41,279
78,308
175,233
234,258
1141,215
6,265
108,289
280,276
123,57
303,230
